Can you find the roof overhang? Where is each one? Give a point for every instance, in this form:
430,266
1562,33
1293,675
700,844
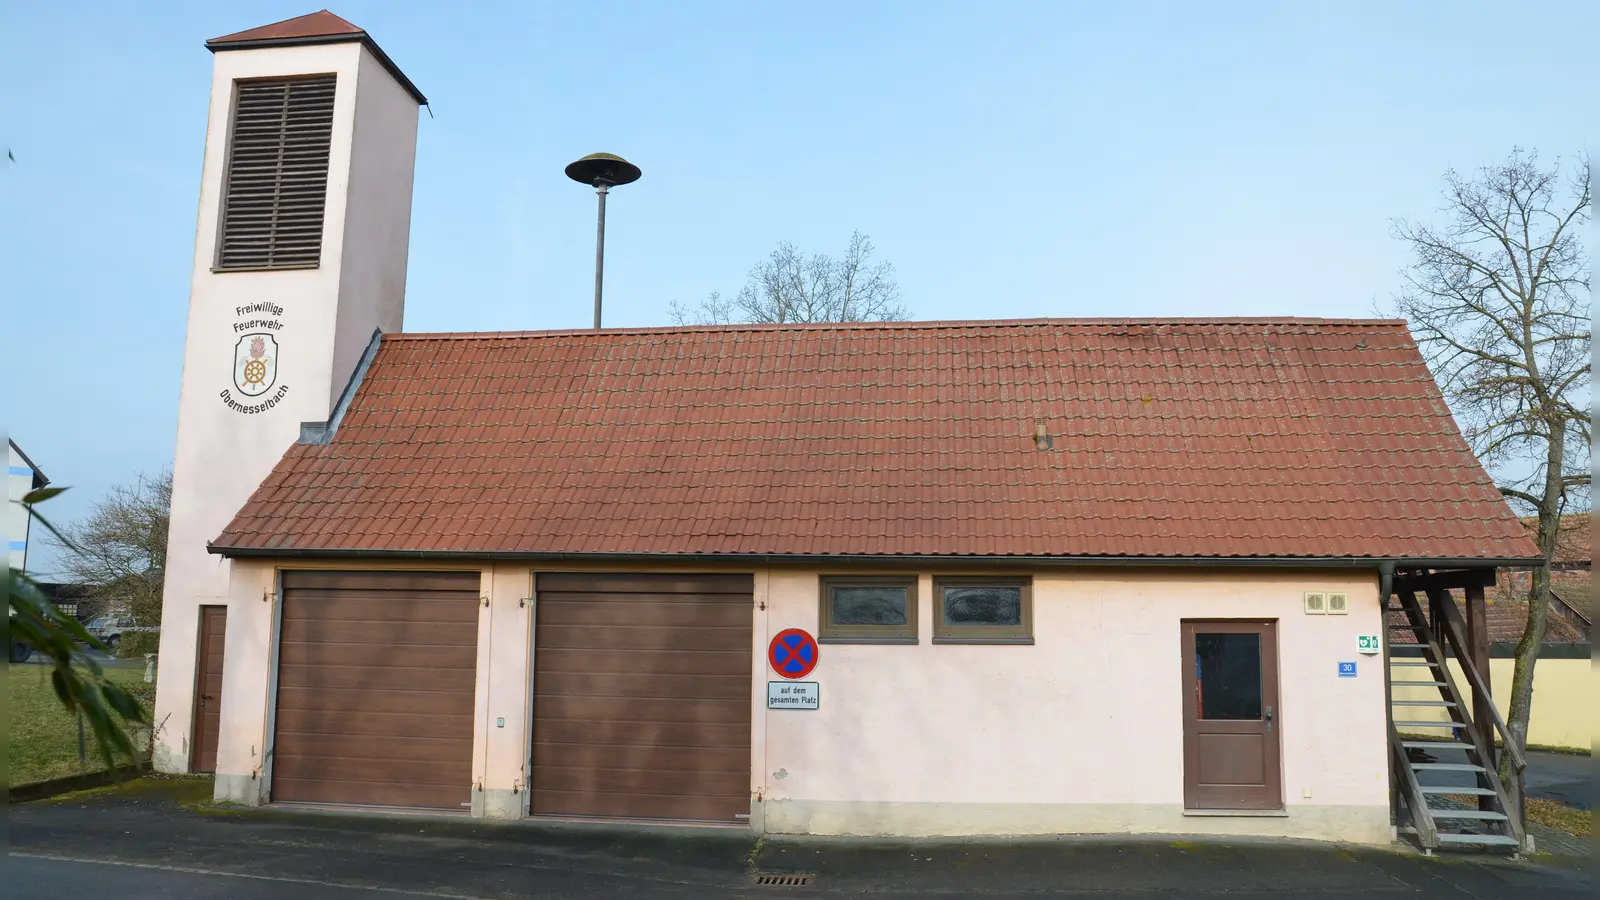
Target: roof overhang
358,37
776,559
39,478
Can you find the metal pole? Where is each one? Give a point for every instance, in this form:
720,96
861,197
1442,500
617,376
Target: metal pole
599,251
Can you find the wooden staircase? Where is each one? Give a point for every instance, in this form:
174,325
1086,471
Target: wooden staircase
1426,808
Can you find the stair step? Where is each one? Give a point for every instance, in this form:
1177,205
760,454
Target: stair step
1436,745
1424,702
1467,814
1405,644
1447,789
1420,683
1445,767
1399,724
1489,840
1410,662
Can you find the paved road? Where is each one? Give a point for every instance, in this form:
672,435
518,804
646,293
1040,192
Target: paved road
106,660
1562,776
1566,777
146,841
32,877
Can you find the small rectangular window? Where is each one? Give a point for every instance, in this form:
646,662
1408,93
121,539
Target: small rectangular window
983,611
869,610
1228,669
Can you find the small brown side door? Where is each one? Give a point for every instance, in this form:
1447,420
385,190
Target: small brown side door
208,688
1231,755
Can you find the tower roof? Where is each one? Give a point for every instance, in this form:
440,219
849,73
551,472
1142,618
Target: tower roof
320,24
321,27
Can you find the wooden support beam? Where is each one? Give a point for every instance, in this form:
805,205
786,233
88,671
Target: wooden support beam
1478,650
1448,580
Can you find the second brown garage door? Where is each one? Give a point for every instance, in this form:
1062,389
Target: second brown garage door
376,672
642,694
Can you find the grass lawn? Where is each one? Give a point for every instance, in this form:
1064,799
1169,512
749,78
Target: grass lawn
43,739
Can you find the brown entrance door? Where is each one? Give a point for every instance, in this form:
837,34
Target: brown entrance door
208,687
1231,716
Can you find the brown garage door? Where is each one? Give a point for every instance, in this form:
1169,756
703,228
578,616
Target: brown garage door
376,672
642,696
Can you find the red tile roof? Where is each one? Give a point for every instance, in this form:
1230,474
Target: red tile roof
1505,614
1576,590
1574,546
1182,438
321,27
318,24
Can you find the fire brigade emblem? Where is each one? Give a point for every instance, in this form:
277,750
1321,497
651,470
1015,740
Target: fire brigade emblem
255,364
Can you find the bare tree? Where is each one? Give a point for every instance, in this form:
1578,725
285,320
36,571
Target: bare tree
790,286
119,551
1498,300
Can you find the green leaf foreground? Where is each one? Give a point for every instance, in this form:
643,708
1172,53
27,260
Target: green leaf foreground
79,682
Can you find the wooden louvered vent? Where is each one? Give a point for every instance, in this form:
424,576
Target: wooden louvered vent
277,178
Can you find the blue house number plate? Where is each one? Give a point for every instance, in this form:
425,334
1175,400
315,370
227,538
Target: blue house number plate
1347,670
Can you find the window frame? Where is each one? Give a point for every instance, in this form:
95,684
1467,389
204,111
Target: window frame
1021,633
829,633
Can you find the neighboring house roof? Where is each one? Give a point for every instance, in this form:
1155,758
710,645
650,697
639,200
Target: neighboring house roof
66,596
1506,613
1220,439
1574,545
1576,590
39,478
1508,616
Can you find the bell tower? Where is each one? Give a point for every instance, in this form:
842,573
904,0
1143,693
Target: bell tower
299,255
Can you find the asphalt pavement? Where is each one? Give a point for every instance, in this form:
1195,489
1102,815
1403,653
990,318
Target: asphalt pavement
1566,777
106,660
35,877
159,838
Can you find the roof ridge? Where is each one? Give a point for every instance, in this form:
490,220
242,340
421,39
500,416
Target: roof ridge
930,324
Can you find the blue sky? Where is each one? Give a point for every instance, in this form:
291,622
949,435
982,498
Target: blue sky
1054,159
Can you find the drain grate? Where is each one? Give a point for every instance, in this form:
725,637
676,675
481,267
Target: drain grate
775,879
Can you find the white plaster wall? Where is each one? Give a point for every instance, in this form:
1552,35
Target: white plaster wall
377,227
1081,731
505,659
223,454
248,680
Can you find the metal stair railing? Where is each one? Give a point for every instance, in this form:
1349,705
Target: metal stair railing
1427,830
1478,751
1455,631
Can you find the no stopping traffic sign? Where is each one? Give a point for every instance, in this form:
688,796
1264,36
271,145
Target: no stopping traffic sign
792,653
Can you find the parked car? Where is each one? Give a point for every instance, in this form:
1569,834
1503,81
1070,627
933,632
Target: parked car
110,628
